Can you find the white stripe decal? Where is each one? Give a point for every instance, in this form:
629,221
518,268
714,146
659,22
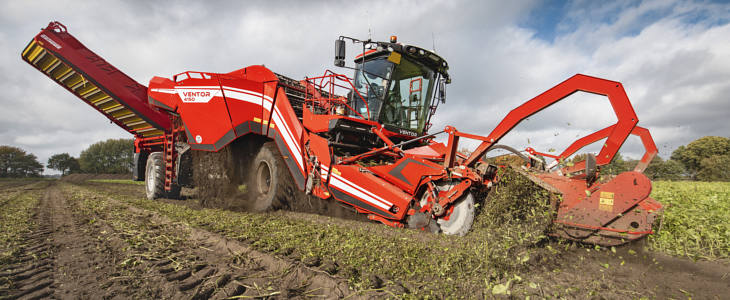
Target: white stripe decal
166,91
339,184
369,196
286,134
372,196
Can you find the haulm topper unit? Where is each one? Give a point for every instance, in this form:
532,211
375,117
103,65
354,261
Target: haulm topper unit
361,141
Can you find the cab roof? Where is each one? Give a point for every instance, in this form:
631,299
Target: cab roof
424,56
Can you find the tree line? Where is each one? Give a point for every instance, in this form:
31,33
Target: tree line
113,156
705,159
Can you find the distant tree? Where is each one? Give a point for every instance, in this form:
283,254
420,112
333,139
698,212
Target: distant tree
63,162
113,156
714,168
15,162
660,169
692,155
617,165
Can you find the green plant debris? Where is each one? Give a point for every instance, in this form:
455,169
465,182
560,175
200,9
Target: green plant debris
501,243
695,221
15,221
17,209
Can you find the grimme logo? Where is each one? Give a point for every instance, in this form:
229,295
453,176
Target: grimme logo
195,96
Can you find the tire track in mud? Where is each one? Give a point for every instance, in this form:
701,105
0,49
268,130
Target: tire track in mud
206,265
225,268
30,275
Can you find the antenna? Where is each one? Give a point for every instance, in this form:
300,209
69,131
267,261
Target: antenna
433,38
370,29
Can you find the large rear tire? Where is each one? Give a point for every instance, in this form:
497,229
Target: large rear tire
155,179
270,184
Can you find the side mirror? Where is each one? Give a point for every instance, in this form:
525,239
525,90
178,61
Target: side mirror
340,53
442,90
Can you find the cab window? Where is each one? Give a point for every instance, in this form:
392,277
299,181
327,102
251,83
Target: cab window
409,96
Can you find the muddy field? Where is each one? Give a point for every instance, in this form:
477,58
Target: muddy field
80,239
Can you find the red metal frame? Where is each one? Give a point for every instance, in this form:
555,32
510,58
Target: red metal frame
650,149
627,118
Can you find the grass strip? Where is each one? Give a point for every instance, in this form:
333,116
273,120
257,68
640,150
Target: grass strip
119,181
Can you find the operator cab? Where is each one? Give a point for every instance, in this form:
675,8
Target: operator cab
396,85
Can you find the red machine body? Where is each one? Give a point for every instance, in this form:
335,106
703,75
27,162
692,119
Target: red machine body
394,170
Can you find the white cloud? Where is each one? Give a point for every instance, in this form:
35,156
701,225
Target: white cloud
671,56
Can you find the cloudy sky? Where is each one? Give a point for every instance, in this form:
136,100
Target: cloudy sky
673,58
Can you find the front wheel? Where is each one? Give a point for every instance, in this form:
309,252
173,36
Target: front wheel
155,179
459,220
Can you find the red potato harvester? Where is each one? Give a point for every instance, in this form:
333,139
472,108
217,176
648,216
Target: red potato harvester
362,141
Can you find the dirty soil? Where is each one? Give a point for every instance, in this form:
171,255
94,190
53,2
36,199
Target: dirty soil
84,246
87,241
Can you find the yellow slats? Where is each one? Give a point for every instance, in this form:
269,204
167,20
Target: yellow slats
152,133
53,67
125,114
52,61
140,125
86,89
114,109
60,72
137,123
132,120
33,54
31,46
67,75
109,105
81,83
97,97
40,56
103,101
73,80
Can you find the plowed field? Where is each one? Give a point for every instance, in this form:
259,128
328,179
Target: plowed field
103,240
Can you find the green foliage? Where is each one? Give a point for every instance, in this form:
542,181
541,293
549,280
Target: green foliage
65,163
715,168
617,166
660,169
15,162
113,156
692,155
695,221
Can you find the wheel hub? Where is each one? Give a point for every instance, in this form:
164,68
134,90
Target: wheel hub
459,221
263,178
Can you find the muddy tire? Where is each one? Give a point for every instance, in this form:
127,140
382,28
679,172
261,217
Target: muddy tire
270,185
462,217
155,179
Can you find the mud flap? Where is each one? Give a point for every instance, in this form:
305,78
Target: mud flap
140,161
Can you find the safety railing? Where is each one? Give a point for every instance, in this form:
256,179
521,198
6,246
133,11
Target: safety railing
322,91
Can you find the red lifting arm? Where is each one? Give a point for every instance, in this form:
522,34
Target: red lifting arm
613,90
643,133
